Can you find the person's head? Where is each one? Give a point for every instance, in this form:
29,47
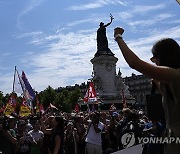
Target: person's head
166,52
101,24
37,125
96,117
58,122
126,112
21,126
12,122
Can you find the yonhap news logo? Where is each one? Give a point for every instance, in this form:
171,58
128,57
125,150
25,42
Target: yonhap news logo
128,140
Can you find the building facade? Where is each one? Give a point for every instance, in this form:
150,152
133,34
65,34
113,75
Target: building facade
139,87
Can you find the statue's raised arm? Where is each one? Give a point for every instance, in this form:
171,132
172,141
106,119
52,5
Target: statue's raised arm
111,17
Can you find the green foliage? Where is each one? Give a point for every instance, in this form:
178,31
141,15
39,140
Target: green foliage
47,96
64,100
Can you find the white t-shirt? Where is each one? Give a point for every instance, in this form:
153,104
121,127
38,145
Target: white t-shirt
37,135
92,136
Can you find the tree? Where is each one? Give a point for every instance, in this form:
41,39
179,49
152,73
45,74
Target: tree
47,96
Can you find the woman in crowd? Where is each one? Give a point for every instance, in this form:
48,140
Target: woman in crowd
57,135
166,74
38,136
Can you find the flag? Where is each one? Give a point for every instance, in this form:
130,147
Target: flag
25,109
91,95
112,108
17,84
21,85
53,107
123,99
28,87
11,105
76,109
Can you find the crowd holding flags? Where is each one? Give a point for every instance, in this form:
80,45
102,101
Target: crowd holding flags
20,85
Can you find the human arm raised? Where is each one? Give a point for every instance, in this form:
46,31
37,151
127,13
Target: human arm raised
159,73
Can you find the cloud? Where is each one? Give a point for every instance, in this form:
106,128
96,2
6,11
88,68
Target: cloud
145,9
95,5
66,61
31,34
150,22
29,7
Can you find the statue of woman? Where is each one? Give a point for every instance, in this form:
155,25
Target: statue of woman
102,42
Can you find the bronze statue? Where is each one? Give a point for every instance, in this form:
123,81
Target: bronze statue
102,42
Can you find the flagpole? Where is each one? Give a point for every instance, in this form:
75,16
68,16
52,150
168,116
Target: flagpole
14,78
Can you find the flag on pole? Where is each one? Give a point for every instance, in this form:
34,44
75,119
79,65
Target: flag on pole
21,85
28,86
124,99
91,95
11,105
25,109
17,83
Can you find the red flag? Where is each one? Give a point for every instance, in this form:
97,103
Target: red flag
90,94
124,100
76,109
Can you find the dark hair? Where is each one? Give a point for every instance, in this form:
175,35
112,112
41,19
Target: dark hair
60,121
167,51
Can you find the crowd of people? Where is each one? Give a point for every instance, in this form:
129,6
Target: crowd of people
76,133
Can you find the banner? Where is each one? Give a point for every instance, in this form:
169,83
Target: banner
25,109
11,105
91,95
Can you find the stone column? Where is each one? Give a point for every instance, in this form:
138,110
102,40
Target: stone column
104,68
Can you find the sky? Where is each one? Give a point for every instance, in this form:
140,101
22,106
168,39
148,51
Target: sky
53,41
